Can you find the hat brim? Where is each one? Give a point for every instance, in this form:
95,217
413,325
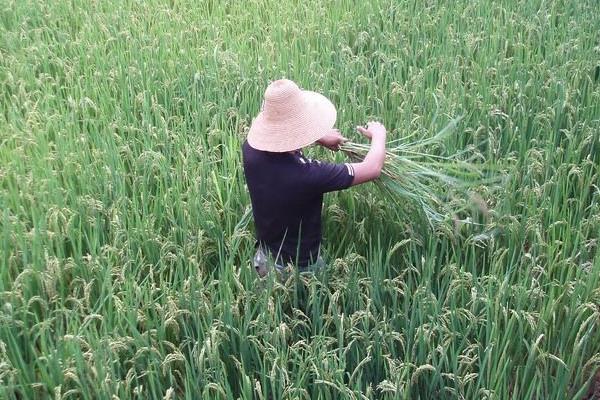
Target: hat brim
309,122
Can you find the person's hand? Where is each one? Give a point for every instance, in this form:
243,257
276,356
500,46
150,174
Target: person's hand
373,130
332,140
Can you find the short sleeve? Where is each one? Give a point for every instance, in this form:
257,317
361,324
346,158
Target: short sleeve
323,177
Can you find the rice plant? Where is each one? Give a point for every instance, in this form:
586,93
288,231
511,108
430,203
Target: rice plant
432,183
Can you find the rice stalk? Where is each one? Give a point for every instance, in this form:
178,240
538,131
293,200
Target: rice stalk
432,183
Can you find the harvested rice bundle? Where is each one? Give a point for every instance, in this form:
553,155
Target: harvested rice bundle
434,184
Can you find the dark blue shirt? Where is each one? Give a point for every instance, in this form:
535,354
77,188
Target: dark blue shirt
286,190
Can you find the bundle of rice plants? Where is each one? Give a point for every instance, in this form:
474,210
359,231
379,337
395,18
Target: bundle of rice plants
435,185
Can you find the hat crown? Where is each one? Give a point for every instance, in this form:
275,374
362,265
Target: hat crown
281,97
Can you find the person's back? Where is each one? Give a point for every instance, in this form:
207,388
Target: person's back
287,195
286,189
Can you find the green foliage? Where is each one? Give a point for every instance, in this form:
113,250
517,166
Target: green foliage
125,230
437,187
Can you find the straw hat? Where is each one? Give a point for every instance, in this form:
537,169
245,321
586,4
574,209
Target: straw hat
291,118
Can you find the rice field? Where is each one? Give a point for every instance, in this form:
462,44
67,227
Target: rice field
126,231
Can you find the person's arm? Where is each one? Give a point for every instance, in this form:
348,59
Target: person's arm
332,140
370,168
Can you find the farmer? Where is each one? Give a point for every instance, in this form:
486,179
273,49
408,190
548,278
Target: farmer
286,188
